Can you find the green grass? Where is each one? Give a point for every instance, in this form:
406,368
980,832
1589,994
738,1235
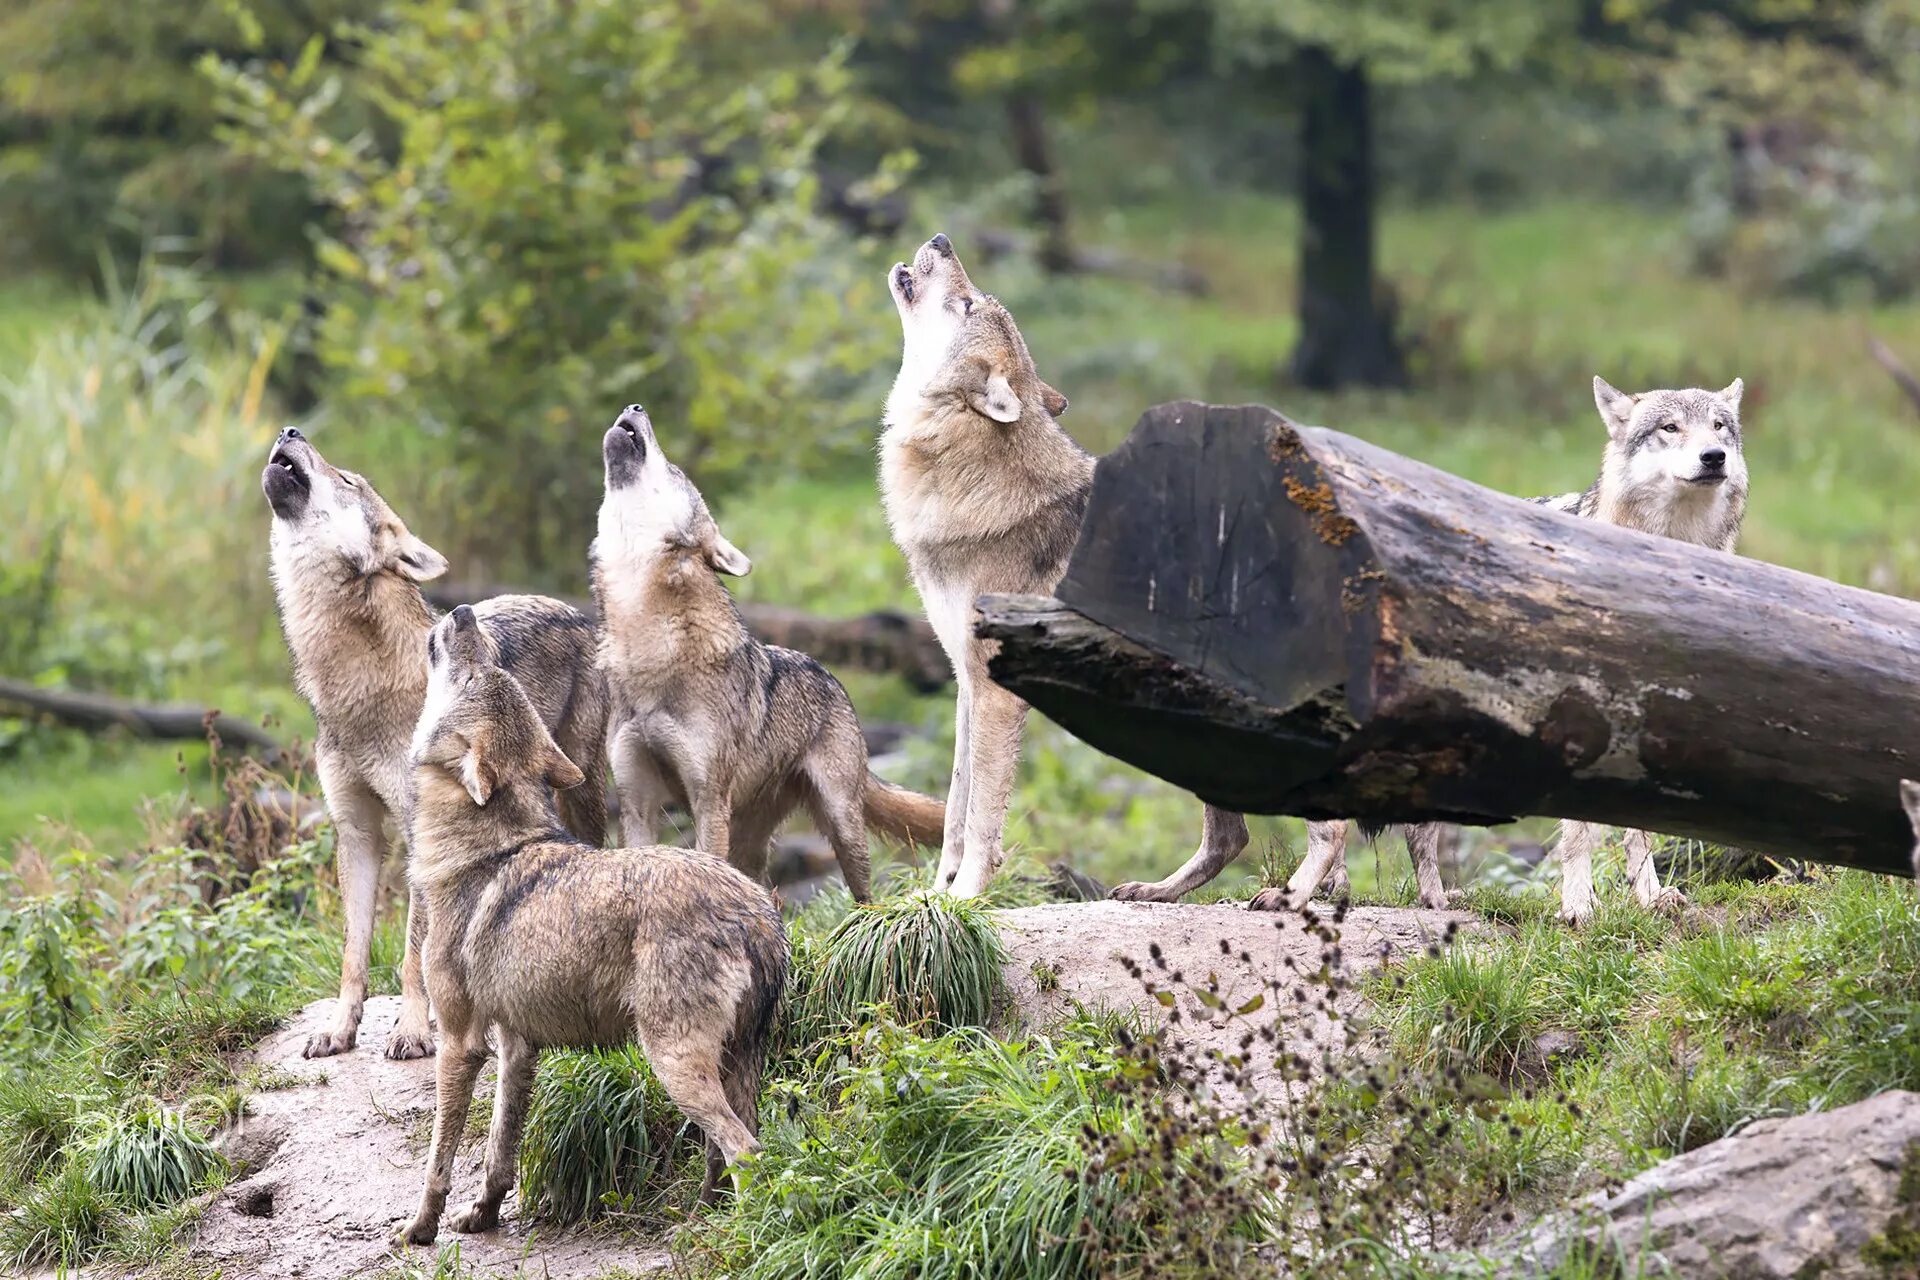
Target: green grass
602,1137
926,958
150,1158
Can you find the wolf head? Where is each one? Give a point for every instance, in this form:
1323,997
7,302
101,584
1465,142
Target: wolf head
478,730
330,522
651,508
952,331
1675,441
1910,801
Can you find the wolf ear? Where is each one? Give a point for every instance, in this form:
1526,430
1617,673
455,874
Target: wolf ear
996,400
562,773
476,768
1052,401
1616,406
1732,394
726,558
1910,801
416,560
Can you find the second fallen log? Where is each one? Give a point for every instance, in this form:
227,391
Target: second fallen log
1285,619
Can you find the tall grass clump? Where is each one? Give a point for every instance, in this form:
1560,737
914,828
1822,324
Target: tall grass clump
601,1137
150,1158
925,958
142,425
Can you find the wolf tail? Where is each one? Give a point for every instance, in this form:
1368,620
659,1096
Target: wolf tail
903,815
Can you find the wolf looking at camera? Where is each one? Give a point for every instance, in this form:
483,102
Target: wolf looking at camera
741,732
545,942
347,575
1673,466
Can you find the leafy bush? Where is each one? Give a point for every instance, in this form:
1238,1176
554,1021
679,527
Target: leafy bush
566,207
925,958
150,1158
601,1136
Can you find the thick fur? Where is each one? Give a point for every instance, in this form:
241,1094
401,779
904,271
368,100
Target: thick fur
549,943
984,493
346,573
740,732
1674,466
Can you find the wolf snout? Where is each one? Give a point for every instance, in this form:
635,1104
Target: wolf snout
941,245
1713,459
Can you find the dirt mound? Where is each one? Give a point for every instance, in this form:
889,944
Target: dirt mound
337,1158
1076,953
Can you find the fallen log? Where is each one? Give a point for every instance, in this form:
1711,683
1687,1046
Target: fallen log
96,711
885,641
1285,619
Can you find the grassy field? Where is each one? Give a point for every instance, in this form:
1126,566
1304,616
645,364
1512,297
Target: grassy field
1514,312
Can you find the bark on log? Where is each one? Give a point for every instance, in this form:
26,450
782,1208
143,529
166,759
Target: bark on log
884,641
1285,619
96,711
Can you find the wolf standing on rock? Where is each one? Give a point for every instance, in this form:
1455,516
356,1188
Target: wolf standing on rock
1673,467
547,942
347,575
984,493
702,712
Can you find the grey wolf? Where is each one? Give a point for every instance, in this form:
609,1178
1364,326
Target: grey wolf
347,575
550,942
1910,801
703,713
1673,466
984,493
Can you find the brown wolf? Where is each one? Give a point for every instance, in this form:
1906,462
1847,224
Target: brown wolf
985,493
1674,467
702,712
346,573
548,942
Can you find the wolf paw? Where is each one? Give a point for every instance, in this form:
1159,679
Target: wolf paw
1139,891
418,1231
405,1045
1668,902
1270,900
328,1043
478,1216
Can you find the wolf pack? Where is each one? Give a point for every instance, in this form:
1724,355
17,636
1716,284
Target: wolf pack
487,736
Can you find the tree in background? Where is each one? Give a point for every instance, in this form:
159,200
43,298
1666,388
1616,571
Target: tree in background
1324,57
106,129
578,204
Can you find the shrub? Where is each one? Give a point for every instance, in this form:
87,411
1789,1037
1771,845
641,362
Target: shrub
150,1158
601,1136
926,958
569,206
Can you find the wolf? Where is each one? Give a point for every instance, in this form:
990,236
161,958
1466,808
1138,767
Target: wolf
548,942
983,492
1673,466
702,712
347,574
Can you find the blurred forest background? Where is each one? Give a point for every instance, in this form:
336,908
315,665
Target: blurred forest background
449,240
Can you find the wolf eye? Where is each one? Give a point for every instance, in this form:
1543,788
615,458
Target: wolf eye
966,306
433,647
1671,428
348,481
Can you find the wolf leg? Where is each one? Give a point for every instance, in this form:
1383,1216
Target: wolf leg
1646,877
641,786
953,839
835,797
993,755
1326,851
413,1034
1223,837
460,1061
1575,849
688,1067
1423,846
517,1059
359,848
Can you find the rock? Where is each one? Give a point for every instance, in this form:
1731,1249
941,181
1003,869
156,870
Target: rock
1835,1194
339,1158
1075,954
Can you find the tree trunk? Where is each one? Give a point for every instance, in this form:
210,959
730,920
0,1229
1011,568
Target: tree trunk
1027,119
1284,619
1346,335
